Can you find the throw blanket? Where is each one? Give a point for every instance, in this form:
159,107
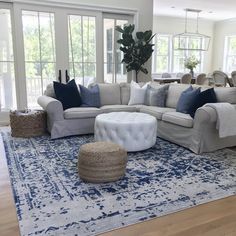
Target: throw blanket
226,118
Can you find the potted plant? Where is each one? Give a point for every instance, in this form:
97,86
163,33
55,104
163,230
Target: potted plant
137,50
191,63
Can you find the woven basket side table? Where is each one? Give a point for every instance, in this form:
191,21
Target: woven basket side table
27,124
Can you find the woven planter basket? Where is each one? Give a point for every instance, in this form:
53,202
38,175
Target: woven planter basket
27,124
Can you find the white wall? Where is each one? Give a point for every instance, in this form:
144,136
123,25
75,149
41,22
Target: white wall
174,25
221,30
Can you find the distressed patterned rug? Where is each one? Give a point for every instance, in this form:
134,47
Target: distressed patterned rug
51,199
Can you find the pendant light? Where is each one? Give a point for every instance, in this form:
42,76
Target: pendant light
192,40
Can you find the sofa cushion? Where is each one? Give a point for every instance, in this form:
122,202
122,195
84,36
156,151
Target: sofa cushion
156,111
207,96
137,93
50,91
226,94
178,118
156,96
174,93
68,94
90,97
124,93
82,112
118,108
186,99
109,94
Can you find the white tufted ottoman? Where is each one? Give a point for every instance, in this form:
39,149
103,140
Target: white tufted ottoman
133,131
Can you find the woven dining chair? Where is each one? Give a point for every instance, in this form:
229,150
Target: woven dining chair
220,78
179,74
233,76
186,79
201,79
166,75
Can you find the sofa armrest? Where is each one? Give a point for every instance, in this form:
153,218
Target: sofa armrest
205,115
52,106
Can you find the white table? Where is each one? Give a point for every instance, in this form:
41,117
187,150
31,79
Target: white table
132,130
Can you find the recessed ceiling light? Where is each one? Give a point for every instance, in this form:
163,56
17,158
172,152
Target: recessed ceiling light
173,7
210,12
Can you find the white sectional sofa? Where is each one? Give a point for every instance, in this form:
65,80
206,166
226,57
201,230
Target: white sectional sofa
198,134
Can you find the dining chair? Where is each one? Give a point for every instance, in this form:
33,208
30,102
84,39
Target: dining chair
179,75
220,78
201,79
233,76
166,75
186,79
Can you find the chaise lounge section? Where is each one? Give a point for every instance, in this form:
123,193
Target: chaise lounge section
198,134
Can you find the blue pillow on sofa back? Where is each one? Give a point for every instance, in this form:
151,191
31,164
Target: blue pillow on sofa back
67,94
90,97
207,96
186,99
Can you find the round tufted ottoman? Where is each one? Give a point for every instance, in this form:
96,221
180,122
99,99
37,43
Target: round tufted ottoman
101,162
133,131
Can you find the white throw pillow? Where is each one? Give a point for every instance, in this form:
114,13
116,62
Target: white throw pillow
137,93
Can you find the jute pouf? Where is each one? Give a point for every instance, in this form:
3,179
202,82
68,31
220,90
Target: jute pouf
101,162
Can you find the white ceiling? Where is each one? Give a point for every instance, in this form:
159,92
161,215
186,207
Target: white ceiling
211,9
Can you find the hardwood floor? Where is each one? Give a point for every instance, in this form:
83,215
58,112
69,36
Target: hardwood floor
217,218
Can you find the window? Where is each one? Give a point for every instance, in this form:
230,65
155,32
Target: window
49,40
82,48
167,59
109,50
230,54
162,54
114,70
39,49
180,55
7,75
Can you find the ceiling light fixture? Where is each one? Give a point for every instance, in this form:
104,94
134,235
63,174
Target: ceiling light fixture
192,40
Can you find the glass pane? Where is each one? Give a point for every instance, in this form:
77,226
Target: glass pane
76,71
75,38
82,47
89,41
162,45
33,82
162,64
31,35
48,73
232,45
7,75
114,70
40,58
47,37
108,72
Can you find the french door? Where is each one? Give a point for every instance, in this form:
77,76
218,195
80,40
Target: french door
41,44
7,69
57,44
114,70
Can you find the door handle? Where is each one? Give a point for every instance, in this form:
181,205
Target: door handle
59,76
67,77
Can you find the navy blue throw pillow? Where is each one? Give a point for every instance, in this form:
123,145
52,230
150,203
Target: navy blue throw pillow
207,96
186,99
90,97
67,94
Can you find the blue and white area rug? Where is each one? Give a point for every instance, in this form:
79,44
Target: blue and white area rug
51,199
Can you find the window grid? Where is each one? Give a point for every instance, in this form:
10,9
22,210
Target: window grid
230,53
174,58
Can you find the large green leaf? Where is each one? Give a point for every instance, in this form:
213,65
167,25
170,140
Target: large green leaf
147,35
119,29
140,35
